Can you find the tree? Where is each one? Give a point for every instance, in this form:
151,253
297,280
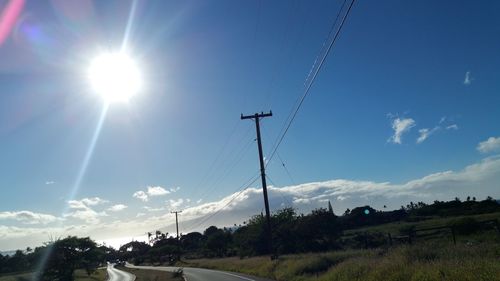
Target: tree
217,241
318,231
192,241
66,255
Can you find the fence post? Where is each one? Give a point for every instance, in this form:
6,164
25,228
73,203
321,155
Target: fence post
409,237
453,233
390,238
497,225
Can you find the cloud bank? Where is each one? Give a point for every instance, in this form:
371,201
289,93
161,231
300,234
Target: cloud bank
479,179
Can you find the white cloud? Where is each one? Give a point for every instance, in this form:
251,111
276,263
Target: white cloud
117,208
468,79
174,204
149,209
83,211
153,191
342,198
49,182
93,201
480,180
141,195
492,144
401,126
175,189
28,217
87,214
426,133
157,191
452,127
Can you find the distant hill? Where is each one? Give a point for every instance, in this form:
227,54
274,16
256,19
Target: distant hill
7,253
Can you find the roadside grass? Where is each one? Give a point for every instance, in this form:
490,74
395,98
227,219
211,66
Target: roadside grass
99,275
17,277
426,261
80,275
151,275
475,257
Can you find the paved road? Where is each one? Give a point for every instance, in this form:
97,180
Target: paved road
200,274
118,275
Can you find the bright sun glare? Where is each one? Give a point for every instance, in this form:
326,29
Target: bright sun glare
115,76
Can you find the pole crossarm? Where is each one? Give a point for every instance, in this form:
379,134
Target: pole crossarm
257,115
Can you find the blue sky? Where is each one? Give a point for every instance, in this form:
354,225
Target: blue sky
431,67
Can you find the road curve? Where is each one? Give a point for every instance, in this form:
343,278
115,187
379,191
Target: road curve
118,275
200,274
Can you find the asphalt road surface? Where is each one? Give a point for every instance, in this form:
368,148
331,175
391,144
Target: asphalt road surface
200,274
118,275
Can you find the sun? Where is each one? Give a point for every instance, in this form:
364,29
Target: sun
115,77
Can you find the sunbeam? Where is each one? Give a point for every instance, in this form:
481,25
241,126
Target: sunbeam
90,151
76,185
128,28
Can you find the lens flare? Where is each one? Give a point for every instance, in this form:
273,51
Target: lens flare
8,18
115,76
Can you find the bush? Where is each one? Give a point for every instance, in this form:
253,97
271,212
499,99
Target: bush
465,225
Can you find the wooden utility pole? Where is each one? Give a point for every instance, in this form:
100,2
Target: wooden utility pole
257,117
176,222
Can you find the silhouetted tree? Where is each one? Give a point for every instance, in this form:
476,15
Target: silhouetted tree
68,254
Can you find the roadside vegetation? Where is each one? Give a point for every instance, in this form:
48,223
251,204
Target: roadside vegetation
79,275
153,275
453,240
426,261
71,258
321,231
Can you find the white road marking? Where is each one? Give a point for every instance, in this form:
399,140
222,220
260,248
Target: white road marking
244,278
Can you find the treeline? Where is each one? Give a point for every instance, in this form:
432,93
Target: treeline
320,230
57,260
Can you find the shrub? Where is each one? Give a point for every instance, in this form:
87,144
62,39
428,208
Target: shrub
465,225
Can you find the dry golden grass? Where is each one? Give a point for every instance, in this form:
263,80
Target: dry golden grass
429,261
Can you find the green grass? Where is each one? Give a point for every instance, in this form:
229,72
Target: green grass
152,275
99,275
80,275
394,227
17,277
428,261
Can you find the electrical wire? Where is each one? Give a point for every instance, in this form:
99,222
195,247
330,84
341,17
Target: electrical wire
239,191
290,120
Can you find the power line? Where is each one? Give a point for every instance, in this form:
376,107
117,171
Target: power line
211,182
311,81
241,189
285,168
279,192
